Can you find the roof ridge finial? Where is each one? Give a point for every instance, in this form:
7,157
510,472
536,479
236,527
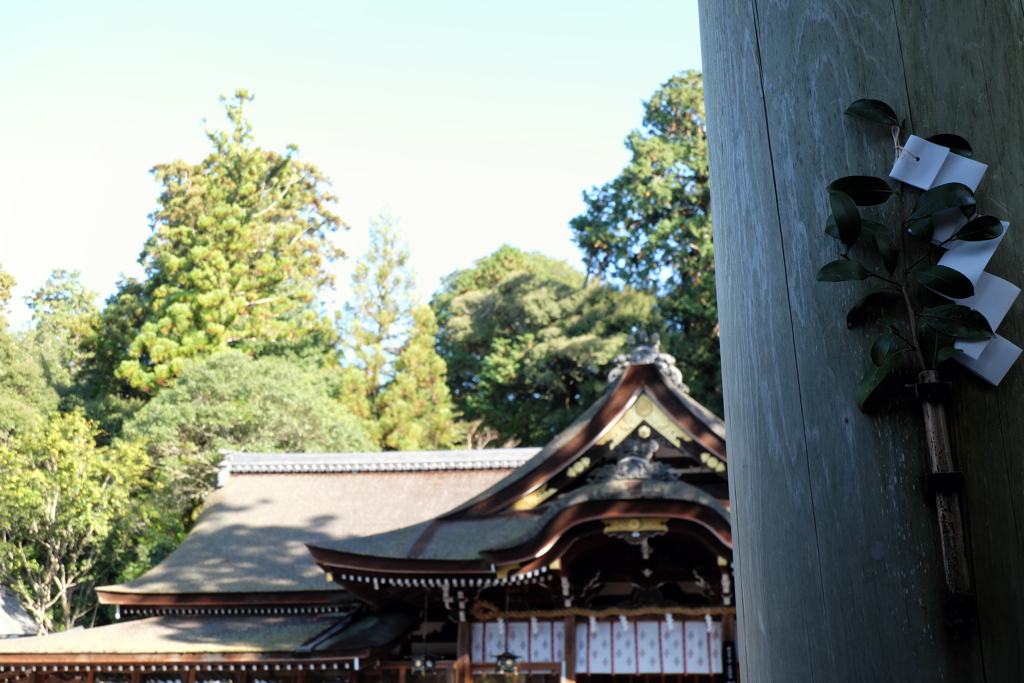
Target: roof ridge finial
646,350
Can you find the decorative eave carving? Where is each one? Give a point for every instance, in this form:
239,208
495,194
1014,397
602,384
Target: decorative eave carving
647,351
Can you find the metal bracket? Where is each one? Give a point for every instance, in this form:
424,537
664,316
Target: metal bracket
945,482
934,392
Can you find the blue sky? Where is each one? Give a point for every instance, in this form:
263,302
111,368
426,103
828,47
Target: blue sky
475,123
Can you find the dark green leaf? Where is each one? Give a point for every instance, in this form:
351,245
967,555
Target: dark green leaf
872,299
889,321
865,190
883,347
944,197
830,227
932,343
945,281
875,375
847,217
956,144
958,321
945,353
873,110
841,271
922,228
980,229
886,244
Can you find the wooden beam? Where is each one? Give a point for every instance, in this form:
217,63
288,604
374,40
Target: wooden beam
830,515
463,667
569,650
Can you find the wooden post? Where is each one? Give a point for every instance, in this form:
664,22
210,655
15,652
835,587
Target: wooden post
839,570
569,650
463,664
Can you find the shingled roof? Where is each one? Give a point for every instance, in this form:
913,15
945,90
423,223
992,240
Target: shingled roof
251,536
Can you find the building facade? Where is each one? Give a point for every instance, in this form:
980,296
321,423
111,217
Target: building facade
604,555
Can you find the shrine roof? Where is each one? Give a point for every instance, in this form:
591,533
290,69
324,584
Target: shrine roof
251,536
567,483
205,640
179,635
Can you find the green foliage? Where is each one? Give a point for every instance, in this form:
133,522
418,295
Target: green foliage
64,320
414,411
527,343
25,396
928,333
239,251
61,499
231,401
396,379
649,229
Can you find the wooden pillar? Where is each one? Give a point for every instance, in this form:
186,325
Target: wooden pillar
463,668
838,567
569,650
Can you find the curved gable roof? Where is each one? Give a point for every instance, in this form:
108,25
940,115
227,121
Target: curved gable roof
518,509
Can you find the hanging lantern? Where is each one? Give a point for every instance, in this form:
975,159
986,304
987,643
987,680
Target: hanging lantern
424,662
506,663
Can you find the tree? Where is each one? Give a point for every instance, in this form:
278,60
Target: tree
395,379
838,563
238,253
61,497
64,319
414,411
650,229
527,341
232,401
25,396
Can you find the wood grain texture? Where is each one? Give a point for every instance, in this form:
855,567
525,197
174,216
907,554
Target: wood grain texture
838,567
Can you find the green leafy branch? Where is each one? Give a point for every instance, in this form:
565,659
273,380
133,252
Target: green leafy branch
906,273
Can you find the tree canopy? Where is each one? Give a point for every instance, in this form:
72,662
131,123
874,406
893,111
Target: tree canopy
395,379
63,498
238,252
650,228
25,396
526,340
232,401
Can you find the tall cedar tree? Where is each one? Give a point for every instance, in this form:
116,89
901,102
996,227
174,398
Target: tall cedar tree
650,228
395,379
238,253
528,342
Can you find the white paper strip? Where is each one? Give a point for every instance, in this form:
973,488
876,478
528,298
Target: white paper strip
582,647
672,647
476,642
958,169
518,642
600,648
624,647
697,648
919,163
995,360
993,297
970,258
649,646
